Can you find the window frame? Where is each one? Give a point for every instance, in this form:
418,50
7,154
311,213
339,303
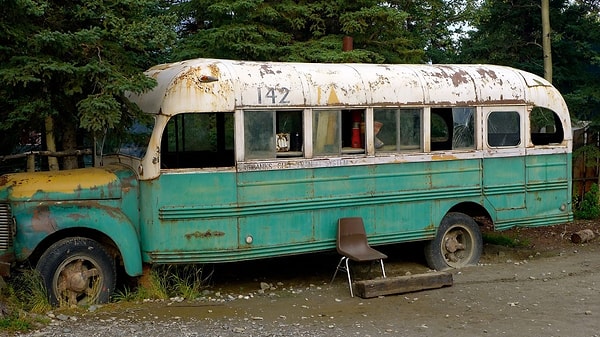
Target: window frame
504,144
197,158
281,138
523,124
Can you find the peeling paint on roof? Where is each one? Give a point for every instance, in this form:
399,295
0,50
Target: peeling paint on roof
250,85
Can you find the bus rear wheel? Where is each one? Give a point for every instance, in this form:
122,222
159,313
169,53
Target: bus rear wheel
77,271
457,244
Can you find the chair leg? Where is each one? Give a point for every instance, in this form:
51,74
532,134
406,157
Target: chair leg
346,267
349,278
337,268
382,267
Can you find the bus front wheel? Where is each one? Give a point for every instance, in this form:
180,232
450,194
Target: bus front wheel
457,244
77,271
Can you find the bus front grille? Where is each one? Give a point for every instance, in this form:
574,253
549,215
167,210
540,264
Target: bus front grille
6,225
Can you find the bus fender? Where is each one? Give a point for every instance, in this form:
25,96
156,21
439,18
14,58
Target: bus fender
48,220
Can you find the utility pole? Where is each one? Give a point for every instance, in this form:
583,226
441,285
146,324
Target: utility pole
546,43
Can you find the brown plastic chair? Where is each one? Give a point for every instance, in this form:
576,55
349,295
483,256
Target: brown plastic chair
352,244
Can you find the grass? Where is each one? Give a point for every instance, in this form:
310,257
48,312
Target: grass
501,239
164,282
14,323
22,300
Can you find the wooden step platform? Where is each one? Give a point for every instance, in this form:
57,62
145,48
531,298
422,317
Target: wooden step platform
402,284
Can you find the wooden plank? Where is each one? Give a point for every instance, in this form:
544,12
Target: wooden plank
402,284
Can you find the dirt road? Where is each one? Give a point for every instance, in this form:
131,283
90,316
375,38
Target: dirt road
534,292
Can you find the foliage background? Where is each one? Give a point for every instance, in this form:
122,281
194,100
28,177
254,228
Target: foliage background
72,62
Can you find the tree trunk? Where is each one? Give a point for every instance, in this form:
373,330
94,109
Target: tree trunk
546,45
51,143
69,143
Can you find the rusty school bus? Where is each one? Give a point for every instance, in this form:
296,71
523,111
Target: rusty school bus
248,160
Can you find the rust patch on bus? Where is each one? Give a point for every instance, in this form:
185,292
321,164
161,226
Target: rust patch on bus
488,73
443,157
207,234
265,69
192,77
461,77
214,70
42,221
430,227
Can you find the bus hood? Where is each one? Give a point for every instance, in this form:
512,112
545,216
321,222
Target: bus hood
79,184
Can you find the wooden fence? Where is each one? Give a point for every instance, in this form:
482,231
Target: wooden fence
31,156
585,163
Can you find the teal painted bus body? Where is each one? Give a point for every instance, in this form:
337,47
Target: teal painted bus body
102,200
227,216
528,191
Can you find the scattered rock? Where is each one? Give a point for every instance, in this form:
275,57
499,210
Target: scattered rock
62,317
264,286
94,307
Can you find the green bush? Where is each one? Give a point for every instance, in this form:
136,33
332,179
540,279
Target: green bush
588,208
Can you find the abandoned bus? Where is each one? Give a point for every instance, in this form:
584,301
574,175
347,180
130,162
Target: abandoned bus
246,160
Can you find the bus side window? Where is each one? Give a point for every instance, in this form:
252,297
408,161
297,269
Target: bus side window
386,129
503,128
289,133
441,130
397,130
259,134
546,127
269,134
198,140
410,129
452,128
338,131
326,134
463,130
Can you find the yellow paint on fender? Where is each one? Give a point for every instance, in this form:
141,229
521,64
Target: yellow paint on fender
84,181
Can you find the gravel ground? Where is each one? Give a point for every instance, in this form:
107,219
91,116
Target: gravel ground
544,290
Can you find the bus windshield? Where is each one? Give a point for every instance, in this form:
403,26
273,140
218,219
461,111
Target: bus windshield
132,142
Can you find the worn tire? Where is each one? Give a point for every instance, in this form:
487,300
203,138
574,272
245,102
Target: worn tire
77,271
457,244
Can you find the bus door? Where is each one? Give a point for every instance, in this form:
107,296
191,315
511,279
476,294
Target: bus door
192,206
504,183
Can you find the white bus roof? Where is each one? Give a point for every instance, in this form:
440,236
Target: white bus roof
203,85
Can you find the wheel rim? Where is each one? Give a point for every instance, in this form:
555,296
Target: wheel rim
77,281
457,247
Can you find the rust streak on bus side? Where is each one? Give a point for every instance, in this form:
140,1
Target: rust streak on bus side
207,234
